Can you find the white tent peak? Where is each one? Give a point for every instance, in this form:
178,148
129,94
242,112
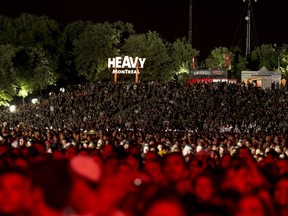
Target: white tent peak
263,69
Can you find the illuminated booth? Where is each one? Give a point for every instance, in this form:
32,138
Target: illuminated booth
209,76
262,78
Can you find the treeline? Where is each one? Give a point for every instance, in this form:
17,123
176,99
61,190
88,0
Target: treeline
37,52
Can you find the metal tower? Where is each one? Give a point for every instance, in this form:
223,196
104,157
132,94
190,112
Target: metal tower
190,21
248,32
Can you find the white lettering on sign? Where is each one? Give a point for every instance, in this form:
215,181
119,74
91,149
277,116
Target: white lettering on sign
115,71
126,63
203,72
117,62
111,62
142,61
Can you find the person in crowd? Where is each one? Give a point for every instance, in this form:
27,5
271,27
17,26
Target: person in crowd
154,169
281,195
14,187
176,172
204,189
252,205
165,203
86,175
51,184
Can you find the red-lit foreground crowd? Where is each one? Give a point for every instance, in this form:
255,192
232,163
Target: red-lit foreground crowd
119,165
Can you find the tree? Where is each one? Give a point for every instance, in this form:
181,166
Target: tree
33,70
125,30
71,33
34,30
94,46
7,31
216,60
264,56
7,74
182,55
158,65
41,32
239,62
283,55
23,91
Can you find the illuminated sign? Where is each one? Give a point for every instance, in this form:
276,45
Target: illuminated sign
126,64
204,73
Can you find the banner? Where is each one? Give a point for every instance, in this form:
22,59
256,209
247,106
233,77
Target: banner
210,73
227,61
193,62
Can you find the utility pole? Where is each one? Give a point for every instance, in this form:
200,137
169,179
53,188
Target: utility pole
190,21
277,50
248,31
190,32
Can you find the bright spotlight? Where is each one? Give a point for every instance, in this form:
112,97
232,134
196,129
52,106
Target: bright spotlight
34,100
12,108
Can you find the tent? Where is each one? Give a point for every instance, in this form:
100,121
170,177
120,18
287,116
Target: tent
262,78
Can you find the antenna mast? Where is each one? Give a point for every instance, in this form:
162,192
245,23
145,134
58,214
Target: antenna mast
248,31
190,21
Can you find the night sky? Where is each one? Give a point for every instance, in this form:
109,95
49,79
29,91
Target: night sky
214,21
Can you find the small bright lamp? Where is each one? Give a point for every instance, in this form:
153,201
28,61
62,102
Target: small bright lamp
12,108
34,100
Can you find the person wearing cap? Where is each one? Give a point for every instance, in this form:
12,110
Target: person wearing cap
86,174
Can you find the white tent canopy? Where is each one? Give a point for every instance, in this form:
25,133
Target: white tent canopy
263,77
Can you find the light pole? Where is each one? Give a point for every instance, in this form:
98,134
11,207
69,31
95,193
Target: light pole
190,21
277,51
248,31
12,110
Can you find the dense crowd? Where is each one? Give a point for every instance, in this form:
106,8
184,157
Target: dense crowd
159,106
147,149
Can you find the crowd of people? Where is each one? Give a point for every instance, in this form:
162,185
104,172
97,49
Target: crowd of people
159,106
147,149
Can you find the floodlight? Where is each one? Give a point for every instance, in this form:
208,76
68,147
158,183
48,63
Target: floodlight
34,100
12,108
